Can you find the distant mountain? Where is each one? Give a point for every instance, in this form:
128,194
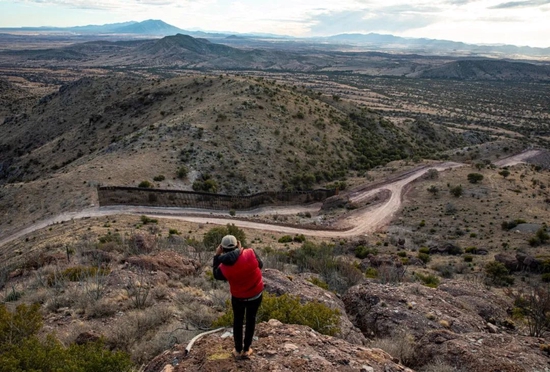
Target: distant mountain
149,27
391,42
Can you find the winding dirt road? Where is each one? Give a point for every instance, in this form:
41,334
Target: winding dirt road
360,222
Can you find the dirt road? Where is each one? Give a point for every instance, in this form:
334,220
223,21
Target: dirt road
360,222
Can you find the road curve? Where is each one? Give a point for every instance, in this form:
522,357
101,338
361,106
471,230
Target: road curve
360,222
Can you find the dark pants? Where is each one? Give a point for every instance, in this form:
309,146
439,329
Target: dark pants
239,309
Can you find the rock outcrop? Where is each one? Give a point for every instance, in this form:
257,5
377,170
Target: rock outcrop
279,283
280,347
464,326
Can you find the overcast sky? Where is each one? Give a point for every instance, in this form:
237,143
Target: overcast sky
523,22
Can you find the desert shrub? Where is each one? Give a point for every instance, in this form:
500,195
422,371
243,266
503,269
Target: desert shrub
498,274
321,259
213,237
472,250
146,220
159,178
182,172
432,174
541,237
371,273
288,309
391,274
400,345
428,280
206,184
533,305
402,254
424,257
299,238
504,173
318,282
456,191
25,322
173,232
77,273
362,252
22,350
145,184
468,258
424,250
445,270
475,177
450,209
285,239
13,295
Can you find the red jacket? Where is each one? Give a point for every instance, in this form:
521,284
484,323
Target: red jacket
242,270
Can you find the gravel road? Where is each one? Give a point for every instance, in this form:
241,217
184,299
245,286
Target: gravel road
362,221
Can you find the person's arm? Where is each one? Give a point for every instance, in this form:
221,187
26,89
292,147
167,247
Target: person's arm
216,265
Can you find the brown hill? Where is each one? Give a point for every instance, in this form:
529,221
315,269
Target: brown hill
231,135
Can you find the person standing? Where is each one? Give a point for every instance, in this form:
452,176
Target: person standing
241,267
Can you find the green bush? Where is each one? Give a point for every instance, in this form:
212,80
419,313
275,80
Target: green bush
288,309
429,280
285,239
182,172
456,191
213,237
159,178
475,177
424,257
13,295
321,259
173,232
371,273
145,184
468,258
145,220
318,282
77,273
424,250
402,254
472,250
22,350
498,274
362,252
299,238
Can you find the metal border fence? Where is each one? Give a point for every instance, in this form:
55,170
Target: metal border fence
116,195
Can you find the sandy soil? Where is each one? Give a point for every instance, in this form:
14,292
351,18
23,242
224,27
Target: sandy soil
360,222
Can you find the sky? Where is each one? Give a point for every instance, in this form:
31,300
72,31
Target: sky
521,22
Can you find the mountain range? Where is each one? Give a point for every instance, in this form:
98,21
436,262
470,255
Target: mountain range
184,51
359,42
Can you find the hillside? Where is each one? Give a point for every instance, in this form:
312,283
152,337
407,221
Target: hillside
231,135
489,70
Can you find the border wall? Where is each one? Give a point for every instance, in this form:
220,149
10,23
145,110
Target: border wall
115,195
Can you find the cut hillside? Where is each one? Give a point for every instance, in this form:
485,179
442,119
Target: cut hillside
209,133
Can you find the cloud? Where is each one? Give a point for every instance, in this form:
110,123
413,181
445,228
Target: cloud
520,4
390,20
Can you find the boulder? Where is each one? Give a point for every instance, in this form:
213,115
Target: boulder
171,263
508,260
279,283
